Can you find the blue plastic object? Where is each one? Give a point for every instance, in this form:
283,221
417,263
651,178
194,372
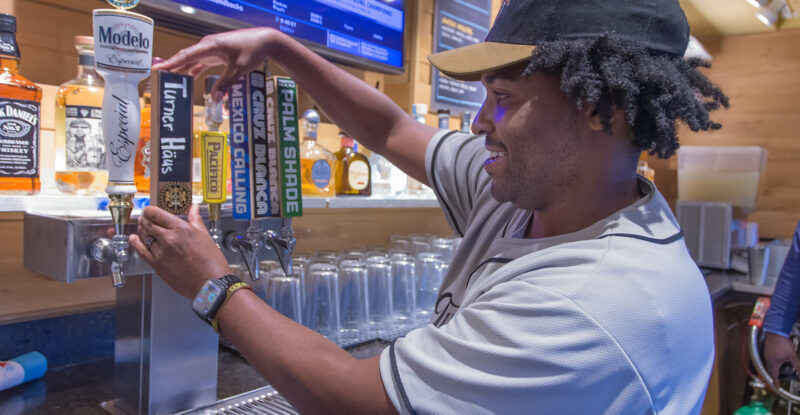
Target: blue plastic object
34,363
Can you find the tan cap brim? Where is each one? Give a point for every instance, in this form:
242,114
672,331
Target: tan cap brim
467,63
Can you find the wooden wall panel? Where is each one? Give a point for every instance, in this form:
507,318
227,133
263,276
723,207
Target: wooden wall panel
760,75
27,296
326,229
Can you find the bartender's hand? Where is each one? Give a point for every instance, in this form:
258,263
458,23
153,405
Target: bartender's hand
239,51
777,351
182,253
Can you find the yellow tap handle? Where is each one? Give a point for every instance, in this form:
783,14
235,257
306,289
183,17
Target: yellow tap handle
214,163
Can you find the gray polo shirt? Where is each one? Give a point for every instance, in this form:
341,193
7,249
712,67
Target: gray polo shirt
614,318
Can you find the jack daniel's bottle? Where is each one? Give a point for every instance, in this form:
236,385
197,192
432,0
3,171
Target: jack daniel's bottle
19,118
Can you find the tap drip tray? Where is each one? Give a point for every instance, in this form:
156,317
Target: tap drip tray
267,401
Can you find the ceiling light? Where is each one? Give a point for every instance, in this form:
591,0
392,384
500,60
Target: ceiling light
769,14
767,17
188,9
696,50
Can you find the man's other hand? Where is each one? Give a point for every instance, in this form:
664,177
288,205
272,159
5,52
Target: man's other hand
777,351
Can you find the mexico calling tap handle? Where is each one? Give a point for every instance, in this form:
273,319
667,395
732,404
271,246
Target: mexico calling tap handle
249,166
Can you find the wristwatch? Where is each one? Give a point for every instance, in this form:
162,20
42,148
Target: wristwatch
213,294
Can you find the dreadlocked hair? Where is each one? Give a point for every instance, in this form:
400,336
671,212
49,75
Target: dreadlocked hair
654,90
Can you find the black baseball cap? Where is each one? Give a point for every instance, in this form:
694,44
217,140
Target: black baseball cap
659,25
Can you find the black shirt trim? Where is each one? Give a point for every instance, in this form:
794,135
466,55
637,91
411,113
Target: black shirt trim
433,181
396,376
488,261
665,241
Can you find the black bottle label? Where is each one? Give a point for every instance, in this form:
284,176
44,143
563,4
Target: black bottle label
8,45
19,138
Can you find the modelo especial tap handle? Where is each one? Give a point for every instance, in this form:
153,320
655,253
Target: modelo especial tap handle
123,54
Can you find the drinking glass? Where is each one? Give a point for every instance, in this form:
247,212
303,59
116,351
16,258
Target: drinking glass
354,306
283,294
379,277
445,247
322,300
352,255
300,265
326,254
401,242
430,273
404,290
375,251
419,244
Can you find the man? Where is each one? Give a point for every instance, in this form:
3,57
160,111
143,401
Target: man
783,312
572,291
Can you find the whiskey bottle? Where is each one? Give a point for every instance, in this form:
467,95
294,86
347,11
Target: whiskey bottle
19,118
141,167
352,170
80,156
317,163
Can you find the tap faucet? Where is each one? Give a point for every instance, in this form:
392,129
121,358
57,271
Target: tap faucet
214,229
250,244
282,244
115,250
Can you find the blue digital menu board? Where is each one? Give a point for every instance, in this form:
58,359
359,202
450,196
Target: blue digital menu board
366,33
458,23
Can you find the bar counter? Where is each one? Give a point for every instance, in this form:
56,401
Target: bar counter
80,388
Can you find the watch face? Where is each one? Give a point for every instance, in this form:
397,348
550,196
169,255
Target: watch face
208,299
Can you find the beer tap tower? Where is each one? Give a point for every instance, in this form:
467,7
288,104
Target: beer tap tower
165,357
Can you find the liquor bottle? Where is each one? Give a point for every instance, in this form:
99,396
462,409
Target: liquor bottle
317,163
644,169
213,120
80,156
141,167
387,179
443,116
352,169
19,118
466,122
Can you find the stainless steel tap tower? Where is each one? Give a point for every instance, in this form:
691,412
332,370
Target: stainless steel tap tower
165,357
